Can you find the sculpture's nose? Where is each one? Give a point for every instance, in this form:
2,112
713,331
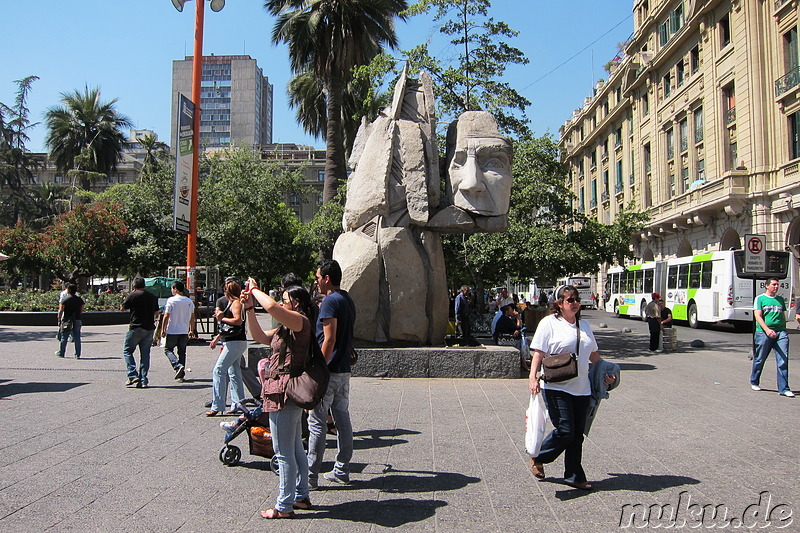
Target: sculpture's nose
471,176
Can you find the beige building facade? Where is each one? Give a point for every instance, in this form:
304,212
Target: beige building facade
699,125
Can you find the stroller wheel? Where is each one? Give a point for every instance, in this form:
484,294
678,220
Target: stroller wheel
230,455
273,465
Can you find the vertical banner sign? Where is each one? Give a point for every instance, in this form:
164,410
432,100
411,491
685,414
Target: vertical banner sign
183,165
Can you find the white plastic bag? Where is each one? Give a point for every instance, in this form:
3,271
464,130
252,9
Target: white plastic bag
536,419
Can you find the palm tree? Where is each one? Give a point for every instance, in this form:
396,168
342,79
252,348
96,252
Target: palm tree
307,95
329,38
154,152
85,134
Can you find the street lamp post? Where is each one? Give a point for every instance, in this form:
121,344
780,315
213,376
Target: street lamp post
197,74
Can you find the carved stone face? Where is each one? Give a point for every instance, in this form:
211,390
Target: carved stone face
479,166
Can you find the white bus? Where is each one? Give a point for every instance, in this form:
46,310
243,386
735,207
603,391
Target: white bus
709,287
584,286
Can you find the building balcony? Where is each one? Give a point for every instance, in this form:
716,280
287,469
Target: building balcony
593,203
787,81
604,197
780,3
618,187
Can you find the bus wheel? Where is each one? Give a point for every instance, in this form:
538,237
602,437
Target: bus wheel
642,312
692,316
616,310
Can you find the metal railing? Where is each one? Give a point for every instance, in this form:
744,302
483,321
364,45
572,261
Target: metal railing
780,3
730,116
787,81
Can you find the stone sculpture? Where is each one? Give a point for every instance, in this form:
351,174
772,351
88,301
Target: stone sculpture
391,251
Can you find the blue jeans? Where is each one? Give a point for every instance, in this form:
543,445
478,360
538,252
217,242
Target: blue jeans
76,338
337,399
228,369
143,338
287,440
180,341
764,345
568,415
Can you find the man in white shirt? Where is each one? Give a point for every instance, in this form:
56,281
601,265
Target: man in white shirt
178,324
503,299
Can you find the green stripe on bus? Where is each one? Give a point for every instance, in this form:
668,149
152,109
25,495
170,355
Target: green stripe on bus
623,309
702,257
679,312
692,292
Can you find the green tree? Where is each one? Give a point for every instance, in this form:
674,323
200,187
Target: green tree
155,152
21,244
16,163
89,240
472,81
244,223
147,209
329,38
85,135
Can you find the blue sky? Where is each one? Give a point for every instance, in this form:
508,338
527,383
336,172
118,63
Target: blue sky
126,48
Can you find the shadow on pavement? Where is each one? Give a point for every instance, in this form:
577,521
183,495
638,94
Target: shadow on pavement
380,438
14,388
636,366
644,483
384,513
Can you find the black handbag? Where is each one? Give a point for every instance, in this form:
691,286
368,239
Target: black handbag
228,330
562,366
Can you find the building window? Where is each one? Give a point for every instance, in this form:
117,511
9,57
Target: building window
794,132
605,108
685,178
319,198
667,84
679,74
733,155
698,125
671,185
580,168
320,175
619,184
663,33
294,200
694,59
676,19
582,203
605,184
790,59
619,95
701,169
645,104
683,134
646,158
593,200
670,143
724,28
594,159
729,104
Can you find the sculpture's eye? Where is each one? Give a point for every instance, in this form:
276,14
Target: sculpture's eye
496,162
459,158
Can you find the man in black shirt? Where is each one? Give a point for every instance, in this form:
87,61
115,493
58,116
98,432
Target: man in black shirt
144,313
69,313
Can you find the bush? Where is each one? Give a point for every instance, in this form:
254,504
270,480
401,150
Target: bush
33,300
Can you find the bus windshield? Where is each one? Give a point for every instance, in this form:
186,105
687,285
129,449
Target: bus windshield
777,264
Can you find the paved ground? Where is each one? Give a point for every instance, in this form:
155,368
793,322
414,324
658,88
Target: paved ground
80,452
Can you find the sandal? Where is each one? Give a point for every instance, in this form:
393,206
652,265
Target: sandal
537,469
305,505
582,485
274,513
212,413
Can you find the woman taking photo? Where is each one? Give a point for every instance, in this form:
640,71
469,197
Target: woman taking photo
290,343
567,401
234,343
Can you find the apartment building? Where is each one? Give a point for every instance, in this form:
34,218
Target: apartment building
698,124
235,101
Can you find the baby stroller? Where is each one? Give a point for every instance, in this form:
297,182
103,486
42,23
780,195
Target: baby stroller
256,423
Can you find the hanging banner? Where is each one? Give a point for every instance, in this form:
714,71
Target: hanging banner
183,165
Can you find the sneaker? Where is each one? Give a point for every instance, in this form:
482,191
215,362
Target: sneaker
180,372
313,484
659,351
788,394
141,385
207,405
229,426
59,354
755,387
342,479
131,381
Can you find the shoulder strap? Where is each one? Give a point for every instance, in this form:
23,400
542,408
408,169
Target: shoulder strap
578,334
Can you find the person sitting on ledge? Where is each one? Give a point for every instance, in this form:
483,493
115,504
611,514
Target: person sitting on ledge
507,324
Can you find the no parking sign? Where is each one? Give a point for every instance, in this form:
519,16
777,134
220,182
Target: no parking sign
755,254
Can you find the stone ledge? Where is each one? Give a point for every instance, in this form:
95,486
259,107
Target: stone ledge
48,318
474,362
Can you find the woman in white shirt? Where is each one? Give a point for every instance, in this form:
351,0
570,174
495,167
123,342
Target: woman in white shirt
567,401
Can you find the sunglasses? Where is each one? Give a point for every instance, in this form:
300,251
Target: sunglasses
572,300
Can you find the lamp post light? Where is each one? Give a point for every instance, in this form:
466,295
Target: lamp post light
197,73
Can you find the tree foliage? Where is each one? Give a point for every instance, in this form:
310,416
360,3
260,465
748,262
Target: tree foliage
85,135
21,244
91,239
329,38
472,79
244,224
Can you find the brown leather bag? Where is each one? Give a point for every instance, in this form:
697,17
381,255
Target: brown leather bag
562,366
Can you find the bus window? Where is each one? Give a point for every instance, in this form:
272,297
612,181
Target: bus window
648,280
777,264
672,277
705,280
639,282
694,275
683,276
629,277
